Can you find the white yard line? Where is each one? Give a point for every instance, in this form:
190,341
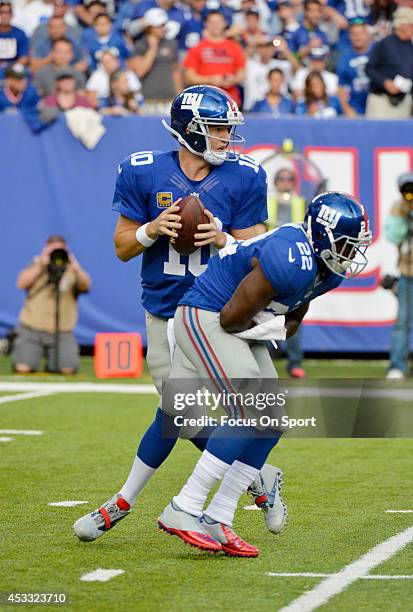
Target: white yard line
67,504
5,439
101,575
388,577
399,511
297,575
76,387
313,575
338,582
22,432
23,396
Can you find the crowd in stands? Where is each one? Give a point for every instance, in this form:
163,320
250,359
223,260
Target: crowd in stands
320,58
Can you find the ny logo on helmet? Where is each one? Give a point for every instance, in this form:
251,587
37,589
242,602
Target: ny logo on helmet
191,100
328,216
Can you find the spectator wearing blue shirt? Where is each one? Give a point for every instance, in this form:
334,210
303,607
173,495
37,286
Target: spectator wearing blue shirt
351,70
287,20
14,44
103,37
191,31
41,33
316,102
42,51
61,8
274,102
17,95
390,69
136,26
342,12
16,92
125,14
309,35
86,10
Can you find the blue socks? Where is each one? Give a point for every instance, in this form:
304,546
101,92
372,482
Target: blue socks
154,447
227,443
256,453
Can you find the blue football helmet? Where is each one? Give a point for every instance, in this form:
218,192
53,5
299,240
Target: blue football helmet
194,110
338,228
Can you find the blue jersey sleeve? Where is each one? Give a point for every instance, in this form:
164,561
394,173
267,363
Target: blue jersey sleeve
23,44
281,263
342,71
252,206
129,198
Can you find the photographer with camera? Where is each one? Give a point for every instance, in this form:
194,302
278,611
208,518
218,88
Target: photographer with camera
53,282
399,231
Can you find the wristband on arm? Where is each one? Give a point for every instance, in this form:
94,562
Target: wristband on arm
143,238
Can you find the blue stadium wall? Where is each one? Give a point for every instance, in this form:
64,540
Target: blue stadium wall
52,183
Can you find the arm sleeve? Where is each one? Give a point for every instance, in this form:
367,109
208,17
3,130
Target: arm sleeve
191,60
342,73
279,271
38,51
38,82
256,108
335,103
33,97
140,47
293,42
373,67
252,205
239,57
124,52
128,200
23,45
395,229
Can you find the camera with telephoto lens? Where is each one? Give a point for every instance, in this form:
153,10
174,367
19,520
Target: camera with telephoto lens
58,263
390,282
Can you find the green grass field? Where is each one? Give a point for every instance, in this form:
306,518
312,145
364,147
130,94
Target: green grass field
337,491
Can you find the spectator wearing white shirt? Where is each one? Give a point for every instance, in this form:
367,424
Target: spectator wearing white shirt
259,65
317,63
39,12
239,19
274,103
98,84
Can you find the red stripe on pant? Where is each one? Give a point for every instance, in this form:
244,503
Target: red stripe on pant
215,358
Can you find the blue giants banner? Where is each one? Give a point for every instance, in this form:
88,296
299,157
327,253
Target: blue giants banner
51,184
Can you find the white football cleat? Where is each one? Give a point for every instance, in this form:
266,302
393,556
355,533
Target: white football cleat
395,374
92,526
186,526
266,491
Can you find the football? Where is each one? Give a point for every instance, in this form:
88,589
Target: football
192,214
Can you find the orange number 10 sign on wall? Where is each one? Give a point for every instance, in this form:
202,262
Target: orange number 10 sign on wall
118,355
